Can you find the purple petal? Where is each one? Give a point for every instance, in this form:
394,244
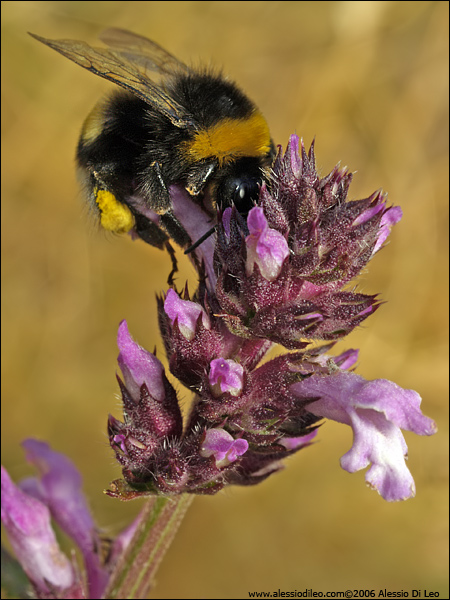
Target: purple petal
388,220
27,522
294,156
186,314
265,247
220,444
376,410
228,375
139,366
238,448
368,214
347,359
196,222
226,220
294,443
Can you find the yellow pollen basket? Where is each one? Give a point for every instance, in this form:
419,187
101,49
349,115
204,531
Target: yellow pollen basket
114,216
229,139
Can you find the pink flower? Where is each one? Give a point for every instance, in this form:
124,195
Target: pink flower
376,411
265,247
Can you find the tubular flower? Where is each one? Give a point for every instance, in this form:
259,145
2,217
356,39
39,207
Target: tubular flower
27,510
276,275
27,522
376,411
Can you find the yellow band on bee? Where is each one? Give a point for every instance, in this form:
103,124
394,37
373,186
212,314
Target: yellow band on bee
229,139
114,216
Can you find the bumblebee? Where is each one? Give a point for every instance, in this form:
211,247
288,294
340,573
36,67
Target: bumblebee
193,129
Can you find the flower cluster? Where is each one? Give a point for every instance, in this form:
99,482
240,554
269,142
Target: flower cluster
277,275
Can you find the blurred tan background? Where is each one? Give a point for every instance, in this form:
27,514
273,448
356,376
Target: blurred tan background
369,80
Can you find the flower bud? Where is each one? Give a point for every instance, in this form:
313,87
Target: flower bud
185,313
139,366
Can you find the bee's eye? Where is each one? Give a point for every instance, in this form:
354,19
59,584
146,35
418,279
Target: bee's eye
238,185
243,193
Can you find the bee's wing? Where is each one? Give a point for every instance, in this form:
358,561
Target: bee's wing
116,67
142,51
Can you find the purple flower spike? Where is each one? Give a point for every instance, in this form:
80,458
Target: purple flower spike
139,366
376,411
279,274
186,314
265,247
225,449
308,241
227,375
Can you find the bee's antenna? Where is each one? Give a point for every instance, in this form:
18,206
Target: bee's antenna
200,240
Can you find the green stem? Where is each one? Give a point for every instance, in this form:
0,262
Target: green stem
158,522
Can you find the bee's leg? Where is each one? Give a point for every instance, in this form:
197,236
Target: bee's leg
171,251
150,232
158,198
174,229
155,189
197,179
